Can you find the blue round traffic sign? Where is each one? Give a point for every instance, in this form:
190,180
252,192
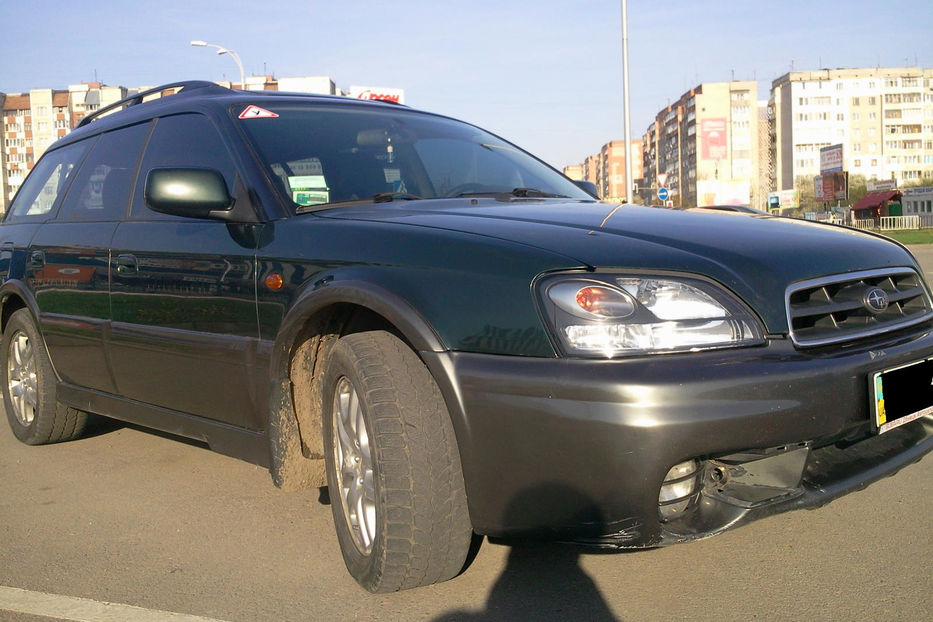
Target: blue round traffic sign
663,193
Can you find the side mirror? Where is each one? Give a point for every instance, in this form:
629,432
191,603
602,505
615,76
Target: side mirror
588,187
189,192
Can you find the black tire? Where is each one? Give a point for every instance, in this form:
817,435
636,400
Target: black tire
29,387
415,529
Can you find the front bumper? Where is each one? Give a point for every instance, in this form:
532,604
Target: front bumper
578,449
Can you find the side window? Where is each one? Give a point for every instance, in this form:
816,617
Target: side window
182,141
101,188
46,183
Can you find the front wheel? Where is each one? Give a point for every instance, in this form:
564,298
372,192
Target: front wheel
393,468
29,387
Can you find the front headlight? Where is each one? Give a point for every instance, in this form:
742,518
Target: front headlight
614,315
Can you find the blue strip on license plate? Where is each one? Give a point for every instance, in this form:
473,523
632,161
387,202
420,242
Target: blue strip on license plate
902,394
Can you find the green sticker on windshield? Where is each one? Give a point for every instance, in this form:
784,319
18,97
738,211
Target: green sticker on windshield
309,189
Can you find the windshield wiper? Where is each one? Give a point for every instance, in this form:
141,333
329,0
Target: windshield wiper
534,192
523,193
388,197
381,197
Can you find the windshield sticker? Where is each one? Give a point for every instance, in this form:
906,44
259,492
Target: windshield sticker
255,112
309,189
307,166
392,175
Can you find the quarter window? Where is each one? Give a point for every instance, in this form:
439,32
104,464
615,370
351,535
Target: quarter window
102,186
46,183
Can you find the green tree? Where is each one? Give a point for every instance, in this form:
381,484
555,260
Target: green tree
858,188
804,186
926,180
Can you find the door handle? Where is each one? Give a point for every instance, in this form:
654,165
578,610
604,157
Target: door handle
36,259
127,264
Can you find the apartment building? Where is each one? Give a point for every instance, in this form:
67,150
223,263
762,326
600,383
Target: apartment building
32,121
574,171
706,146
610,172
883,118
590,168
606,169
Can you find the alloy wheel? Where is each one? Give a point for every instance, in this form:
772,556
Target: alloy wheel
23,382
354,466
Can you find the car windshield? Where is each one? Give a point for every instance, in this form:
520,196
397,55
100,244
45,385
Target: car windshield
327,154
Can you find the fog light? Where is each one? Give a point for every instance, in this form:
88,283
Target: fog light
678,490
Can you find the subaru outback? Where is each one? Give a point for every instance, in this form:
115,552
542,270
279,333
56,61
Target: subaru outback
454,338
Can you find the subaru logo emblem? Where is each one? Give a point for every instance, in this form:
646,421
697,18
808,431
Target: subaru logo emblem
876,300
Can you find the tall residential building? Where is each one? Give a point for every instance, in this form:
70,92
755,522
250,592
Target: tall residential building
574,171
591,168
610,174
33,121
882,117
705,146
606,169
765,165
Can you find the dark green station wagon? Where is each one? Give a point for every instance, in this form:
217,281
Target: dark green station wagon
450,335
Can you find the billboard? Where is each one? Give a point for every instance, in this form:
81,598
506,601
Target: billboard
716,192
881,185
831,159
784,199
377,93
714,138
831,187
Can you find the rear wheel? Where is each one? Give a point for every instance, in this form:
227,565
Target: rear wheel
29,387
393,469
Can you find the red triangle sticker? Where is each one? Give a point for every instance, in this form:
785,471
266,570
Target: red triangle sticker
255,112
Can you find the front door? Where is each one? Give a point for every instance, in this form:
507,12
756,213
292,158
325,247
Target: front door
184,334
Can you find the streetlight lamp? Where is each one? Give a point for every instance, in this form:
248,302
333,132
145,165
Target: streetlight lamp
223,50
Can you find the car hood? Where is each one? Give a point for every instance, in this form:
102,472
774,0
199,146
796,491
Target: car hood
757,257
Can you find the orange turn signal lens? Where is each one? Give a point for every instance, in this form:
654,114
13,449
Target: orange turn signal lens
274,281
590,298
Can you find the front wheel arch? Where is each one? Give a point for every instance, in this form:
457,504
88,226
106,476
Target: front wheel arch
309,329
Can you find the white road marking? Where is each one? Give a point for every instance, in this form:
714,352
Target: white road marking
82,609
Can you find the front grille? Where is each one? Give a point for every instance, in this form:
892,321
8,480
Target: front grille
835,309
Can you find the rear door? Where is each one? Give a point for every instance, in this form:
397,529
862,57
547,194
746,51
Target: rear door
35,203
68,261
185,332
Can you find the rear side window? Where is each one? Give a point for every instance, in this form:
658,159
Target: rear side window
46,183
101,188
182,141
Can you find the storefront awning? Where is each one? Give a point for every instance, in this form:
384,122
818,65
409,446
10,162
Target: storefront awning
874,199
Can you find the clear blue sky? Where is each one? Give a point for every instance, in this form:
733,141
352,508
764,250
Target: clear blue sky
544,74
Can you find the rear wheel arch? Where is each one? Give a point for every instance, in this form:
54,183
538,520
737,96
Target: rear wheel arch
13,297
30,386
11,304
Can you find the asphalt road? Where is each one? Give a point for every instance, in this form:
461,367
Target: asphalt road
139,519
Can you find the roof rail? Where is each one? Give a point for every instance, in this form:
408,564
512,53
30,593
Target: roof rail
138,98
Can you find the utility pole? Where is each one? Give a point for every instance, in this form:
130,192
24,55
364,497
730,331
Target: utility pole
629,182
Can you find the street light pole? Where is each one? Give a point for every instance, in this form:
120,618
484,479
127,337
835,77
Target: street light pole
629,182
223,50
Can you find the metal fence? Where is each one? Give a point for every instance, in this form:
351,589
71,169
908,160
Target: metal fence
891,223
894,223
